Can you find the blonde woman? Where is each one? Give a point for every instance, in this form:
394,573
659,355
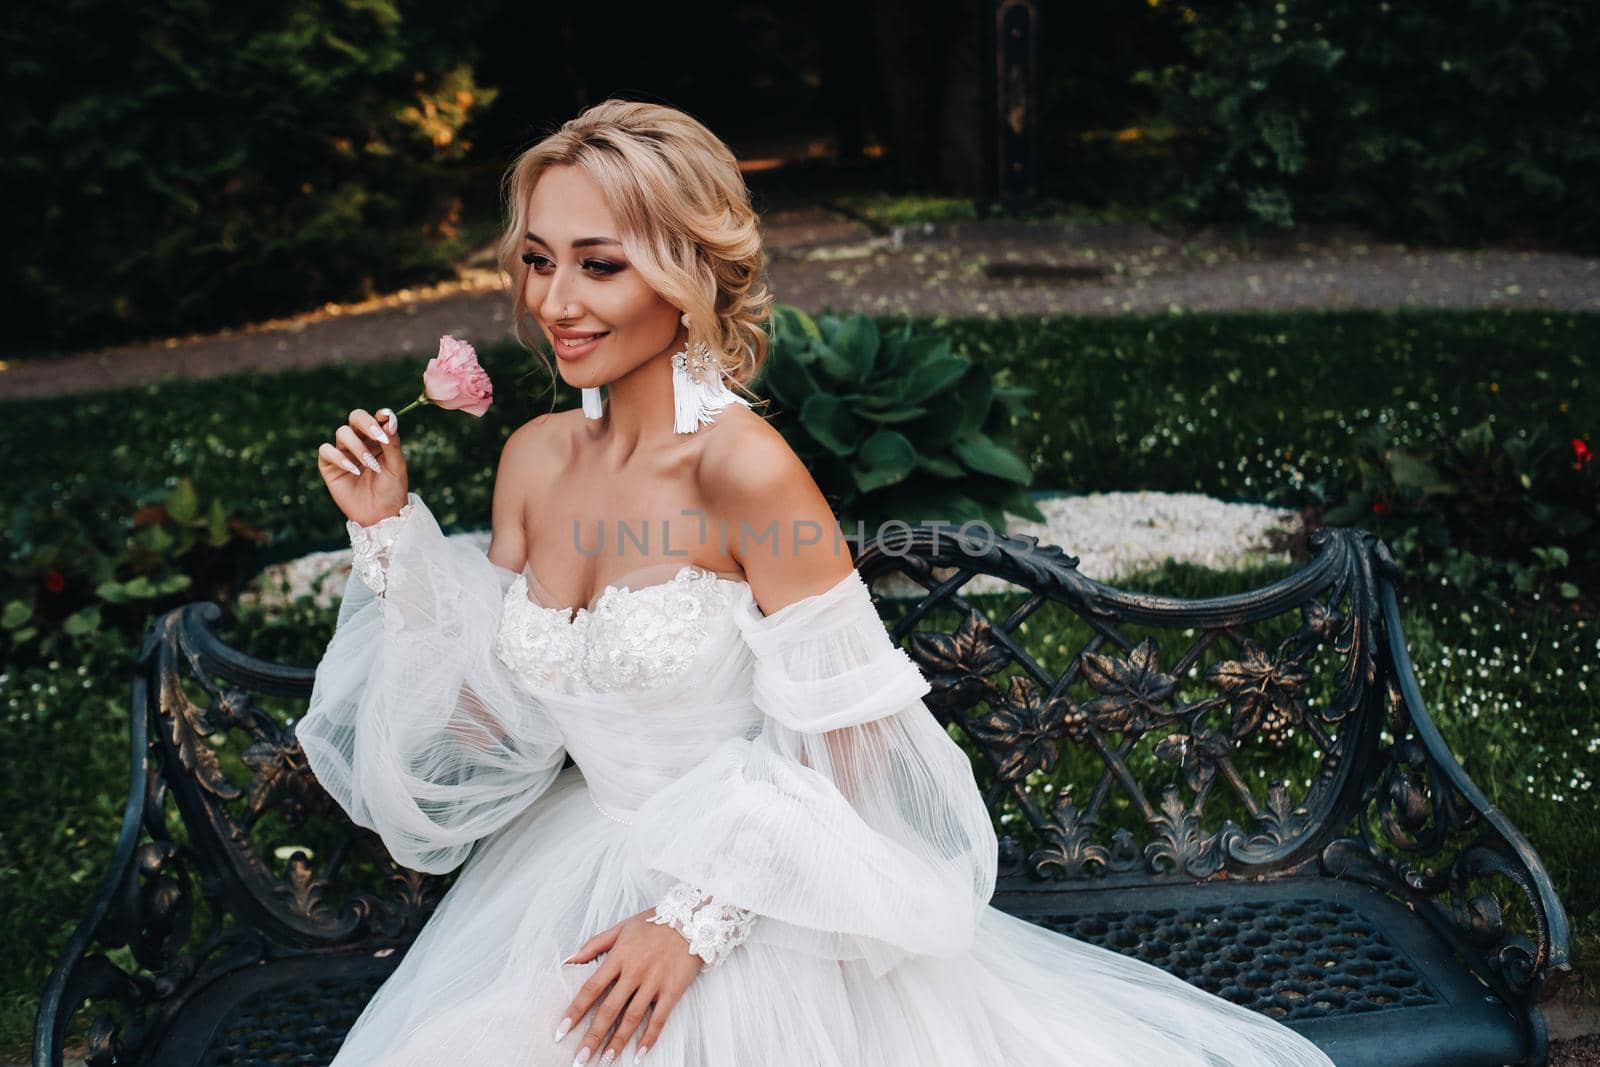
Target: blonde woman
768,852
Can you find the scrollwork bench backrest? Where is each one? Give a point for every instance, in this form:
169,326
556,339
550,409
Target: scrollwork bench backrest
1123,739
257,863
1139,738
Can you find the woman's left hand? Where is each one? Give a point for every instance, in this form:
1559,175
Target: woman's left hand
645,963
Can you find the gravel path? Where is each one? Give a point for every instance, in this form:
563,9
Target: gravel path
1002,269
821,261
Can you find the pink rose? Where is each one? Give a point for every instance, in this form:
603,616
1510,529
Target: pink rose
454,381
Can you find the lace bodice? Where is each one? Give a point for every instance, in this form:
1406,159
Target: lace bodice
632,639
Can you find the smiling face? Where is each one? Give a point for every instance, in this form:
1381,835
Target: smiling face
579,283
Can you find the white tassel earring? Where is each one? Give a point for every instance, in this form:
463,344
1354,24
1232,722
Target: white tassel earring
591,403
698,390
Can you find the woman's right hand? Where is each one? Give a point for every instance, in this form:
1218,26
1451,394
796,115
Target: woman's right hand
364,469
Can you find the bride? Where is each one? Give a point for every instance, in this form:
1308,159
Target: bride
768,851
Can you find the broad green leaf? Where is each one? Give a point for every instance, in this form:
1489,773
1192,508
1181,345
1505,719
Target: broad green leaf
885,458
933,376
857,342
217,522
155,538
183,504
140,587
85,621
793,331
841,369
936,432
891,354
981,454
893,415
829,420
172,583
943,466
1016,399
974,405
16,613
924,348
787,380
1019,503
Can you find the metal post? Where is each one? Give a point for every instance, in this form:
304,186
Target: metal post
1016,98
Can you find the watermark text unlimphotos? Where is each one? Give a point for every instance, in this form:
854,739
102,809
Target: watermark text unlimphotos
973,536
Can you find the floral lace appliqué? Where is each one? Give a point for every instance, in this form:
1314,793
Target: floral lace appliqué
633,639
712,929
369,549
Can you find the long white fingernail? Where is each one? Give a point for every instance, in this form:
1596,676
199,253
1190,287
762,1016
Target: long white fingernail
370,463
561,1031
582,1058
351,467
611,1054
638,1057
378,435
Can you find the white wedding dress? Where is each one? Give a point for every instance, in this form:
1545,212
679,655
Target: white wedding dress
781,767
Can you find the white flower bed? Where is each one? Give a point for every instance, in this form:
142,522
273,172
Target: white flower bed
1114,535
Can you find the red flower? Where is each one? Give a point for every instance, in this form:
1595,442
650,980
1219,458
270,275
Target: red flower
1581,455
55,581
1379,506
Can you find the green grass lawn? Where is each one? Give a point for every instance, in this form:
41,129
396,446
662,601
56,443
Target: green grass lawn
1242,407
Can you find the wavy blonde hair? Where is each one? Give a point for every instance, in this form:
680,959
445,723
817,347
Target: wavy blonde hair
687,225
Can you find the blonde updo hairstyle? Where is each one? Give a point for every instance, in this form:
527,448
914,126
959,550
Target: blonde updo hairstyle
687,225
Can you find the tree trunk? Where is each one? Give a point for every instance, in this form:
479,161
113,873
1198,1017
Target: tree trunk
930,63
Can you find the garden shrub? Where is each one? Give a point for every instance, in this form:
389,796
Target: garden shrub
193,165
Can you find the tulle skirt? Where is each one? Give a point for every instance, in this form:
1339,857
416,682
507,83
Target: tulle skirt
483,984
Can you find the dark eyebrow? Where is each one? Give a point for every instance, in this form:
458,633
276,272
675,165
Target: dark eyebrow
585,243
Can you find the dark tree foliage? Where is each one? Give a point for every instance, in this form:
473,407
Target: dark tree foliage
1450,121
191,164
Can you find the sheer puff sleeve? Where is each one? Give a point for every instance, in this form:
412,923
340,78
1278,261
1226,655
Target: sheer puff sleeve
415,727
850,827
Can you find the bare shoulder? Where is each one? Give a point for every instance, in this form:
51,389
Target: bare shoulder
745,457
779,525
525,456
533,443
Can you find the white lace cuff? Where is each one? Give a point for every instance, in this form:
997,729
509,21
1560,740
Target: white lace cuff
713,929
369,547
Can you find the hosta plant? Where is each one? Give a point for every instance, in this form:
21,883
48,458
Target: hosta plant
892,424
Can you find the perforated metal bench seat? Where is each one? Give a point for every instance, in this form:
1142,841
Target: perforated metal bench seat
287,1013
1340,962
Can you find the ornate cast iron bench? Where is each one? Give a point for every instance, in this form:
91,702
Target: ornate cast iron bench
1245,790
